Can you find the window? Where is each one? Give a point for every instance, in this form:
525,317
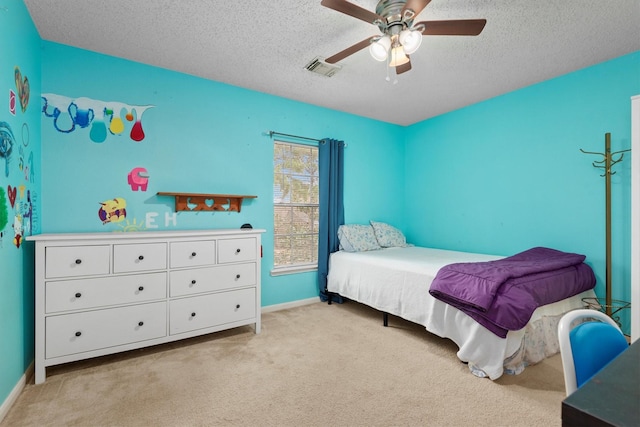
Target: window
295,207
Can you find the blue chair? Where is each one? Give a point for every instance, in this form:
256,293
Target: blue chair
589,339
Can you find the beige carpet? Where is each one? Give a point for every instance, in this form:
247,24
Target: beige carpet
315,365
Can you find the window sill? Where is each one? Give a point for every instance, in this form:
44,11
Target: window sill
293,269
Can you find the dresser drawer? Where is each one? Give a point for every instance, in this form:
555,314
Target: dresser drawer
80,294
71,261
185,282
236,250
93,330
189,314
193,254
139,257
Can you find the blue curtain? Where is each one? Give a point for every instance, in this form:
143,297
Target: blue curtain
331,215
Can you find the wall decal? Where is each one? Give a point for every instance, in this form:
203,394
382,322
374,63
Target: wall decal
12,102
6,145
33,201
17,230
4,212
169,218
113,210
138,179
117,125
23,89
27,215
11,191
103,117
23,213
27,166
26,135
128,226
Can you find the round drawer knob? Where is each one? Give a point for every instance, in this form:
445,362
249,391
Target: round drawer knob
237,276
78,294
193,282
238,250
237,306
193,314
141,288
78,261
78,333
140,323
141,257
193,254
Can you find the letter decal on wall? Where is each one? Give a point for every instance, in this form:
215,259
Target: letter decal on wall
170,218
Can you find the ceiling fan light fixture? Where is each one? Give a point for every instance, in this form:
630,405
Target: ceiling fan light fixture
410,40
398,56
379,49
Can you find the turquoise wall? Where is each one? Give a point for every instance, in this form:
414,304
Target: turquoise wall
507,174
19,211
200,137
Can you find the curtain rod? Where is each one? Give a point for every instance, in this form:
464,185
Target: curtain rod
271,133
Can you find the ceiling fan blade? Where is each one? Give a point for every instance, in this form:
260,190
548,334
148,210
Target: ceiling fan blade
416,5
351,10
404,67
462,27
349,51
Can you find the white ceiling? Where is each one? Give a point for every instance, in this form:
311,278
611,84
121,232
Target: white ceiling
265,45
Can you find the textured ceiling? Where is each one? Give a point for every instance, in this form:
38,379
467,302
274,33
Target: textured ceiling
265,45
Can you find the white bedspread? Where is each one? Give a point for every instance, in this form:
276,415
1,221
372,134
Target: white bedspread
397,281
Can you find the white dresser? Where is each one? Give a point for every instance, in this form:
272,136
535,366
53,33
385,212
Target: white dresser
102,293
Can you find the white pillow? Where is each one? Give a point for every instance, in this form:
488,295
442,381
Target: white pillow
357,238
388,236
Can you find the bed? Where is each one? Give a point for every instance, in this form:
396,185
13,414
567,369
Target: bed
397,279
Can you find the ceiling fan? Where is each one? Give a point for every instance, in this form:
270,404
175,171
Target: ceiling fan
400,36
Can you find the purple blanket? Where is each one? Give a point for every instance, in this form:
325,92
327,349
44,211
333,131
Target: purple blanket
502,295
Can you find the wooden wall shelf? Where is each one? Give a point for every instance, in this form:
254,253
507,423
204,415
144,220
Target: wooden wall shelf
207,202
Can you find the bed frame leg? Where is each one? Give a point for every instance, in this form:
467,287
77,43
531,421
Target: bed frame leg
385,319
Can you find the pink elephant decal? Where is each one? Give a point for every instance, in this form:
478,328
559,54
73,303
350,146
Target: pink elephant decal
138,179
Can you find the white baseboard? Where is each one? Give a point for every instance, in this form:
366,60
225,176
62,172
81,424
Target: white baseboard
284,306
15,393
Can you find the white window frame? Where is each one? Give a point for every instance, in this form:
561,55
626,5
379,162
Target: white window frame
292,268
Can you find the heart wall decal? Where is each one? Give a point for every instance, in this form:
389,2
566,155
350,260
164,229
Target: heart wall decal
11,191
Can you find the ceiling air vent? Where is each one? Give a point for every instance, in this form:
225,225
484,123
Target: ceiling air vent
318,66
